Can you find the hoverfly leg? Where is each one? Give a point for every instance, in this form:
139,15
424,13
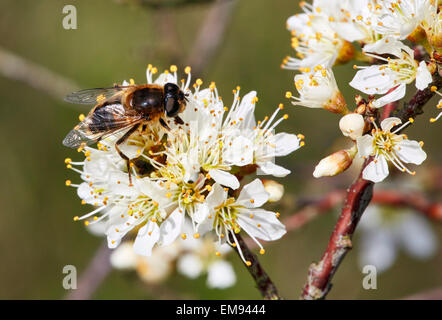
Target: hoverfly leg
178,120
164,124
121,154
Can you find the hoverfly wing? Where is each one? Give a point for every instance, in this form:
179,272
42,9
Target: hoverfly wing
101,123
90,96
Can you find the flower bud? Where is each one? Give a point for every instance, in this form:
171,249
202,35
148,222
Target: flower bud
275,190
334,163
352,125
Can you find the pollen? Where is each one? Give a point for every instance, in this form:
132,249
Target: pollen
67,160
199,82
288,94
68,182
187,69
173,68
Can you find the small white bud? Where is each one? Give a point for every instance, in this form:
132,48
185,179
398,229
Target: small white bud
334,164
352,125
275,190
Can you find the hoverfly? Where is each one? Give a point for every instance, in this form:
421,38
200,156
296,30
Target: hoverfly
124,107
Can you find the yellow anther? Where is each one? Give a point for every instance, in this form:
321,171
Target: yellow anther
433,88
251,215
67,160
432,120
199,82
131,81
218,253
286,116
81,117
248,263
262,251
278,214
173,68
411,120
183,236
68,182
187,70
281,106
288,94
196,235
168,195
149,67
154,70
76,218
86,223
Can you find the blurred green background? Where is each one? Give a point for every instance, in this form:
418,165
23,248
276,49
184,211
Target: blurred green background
116,41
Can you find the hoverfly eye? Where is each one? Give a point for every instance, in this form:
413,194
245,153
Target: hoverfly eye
171,89
172,106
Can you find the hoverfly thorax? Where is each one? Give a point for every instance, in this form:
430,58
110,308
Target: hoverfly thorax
174,99
146,98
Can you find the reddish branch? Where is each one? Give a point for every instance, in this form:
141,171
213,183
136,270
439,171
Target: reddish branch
320,274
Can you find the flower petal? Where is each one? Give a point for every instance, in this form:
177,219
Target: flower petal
171,228
376,171
423,76
264,224
389,123
253,195
239,152
285,143
410,151
365,145
224,178
269,167
146,238
392,96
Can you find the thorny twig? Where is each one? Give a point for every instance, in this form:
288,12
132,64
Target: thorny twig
263,282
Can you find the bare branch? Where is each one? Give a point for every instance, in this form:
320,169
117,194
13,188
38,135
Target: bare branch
36,76
211,34
263,282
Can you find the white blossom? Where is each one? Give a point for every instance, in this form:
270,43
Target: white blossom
390,79
175,170
386,146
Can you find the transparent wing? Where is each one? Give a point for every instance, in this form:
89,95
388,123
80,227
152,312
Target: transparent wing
101,123
89,96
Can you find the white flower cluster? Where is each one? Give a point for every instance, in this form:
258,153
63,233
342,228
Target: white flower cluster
329,32
189,173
